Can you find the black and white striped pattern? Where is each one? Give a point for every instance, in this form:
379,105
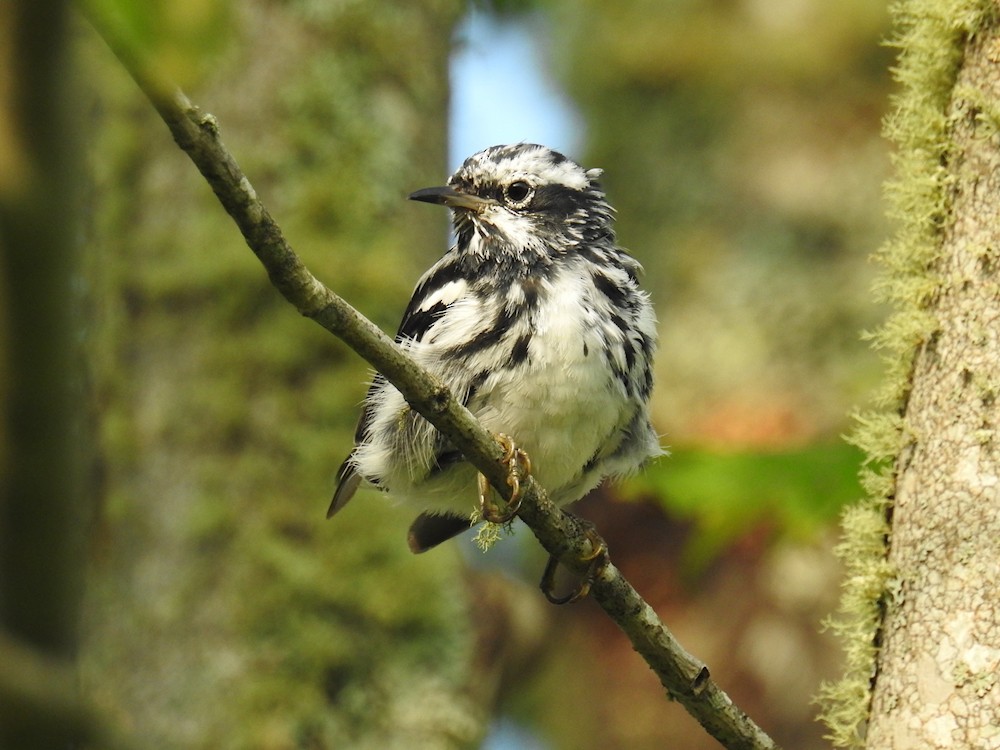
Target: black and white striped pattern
535,320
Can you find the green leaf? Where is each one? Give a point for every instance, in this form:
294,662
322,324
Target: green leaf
726,494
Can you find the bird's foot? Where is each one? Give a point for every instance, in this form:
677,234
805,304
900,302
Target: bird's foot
597,558
518,465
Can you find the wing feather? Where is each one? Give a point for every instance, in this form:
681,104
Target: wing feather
434,294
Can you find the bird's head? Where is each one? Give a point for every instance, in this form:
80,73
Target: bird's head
524,198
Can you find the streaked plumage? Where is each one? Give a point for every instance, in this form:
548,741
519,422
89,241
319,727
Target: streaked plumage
535,320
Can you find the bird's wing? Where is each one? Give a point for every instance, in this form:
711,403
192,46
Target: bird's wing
348,479
436,291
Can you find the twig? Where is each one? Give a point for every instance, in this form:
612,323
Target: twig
564,536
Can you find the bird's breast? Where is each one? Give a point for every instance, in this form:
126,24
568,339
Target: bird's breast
555,393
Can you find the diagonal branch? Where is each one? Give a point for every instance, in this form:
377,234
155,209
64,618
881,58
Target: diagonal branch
564,536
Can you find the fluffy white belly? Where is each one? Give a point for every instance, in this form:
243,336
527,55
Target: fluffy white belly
563,405
560,401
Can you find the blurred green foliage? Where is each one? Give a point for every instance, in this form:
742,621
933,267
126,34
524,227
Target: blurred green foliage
729,494
741,146
742,150
219,594
179,39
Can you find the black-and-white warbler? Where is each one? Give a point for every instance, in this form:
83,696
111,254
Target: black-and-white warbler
535,320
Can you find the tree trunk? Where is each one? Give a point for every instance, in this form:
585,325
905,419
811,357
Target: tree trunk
939,666
43,511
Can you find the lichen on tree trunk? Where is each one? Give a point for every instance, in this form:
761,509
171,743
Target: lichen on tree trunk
937,672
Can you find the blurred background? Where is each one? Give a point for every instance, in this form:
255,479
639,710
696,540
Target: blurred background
741,148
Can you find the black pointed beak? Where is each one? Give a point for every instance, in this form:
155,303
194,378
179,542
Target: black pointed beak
448,196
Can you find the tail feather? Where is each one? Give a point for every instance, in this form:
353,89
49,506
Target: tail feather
430,529
348,481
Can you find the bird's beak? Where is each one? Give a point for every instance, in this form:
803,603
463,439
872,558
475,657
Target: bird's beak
448,196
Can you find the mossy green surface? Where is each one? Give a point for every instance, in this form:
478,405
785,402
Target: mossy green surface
930,36
223,610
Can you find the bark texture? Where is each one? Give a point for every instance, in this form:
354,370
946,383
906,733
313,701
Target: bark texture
936,683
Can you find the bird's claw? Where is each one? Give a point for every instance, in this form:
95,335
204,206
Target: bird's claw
518,464
596,559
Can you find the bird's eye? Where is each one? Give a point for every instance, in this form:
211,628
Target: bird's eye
518,193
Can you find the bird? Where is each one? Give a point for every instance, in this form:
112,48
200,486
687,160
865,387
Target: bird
536,321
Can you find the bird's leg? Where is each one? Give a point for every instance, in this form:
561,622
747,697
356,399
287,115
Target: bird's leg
518,465
596,559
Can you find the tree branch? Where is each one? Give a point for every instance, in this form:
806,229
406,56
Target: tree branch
564,536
